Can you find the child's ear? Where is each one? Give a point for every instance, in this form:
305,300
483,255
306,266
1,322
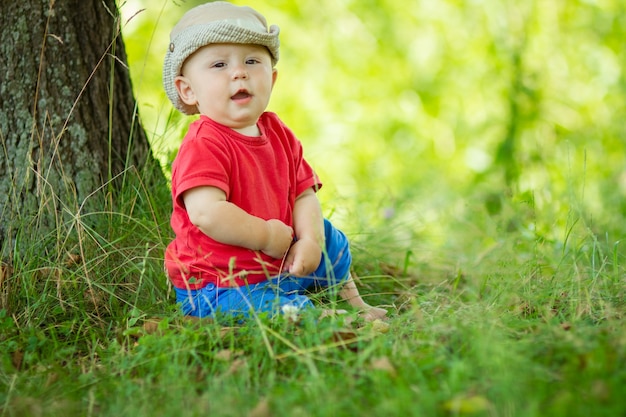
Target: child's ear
185,92
274,76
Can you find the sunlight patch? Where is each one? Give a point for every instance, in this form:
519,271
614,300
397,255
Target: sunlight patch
477,159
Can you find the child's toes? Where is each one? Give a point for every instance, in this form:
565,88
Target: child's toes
373,313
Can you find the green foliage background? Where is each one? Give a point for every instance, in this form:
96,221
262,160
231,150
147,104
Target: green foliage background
473,152
424,114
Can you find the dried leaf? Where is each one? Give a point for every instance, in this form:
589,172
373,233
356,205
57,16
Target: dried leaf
227,354
383,364
601,390
390,270
151,326
17,358
73,259
5,273
95,297
236,366
380,326
262,409
346,338
53,377
201,375
197,320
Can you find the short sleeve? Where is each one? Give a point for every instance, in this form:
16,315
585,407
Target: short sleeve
201,161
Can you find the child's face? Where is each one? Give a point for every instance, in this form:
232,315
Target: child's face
230,83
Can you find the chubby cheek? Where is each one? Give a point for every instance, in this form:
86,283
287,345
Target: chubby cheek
266,87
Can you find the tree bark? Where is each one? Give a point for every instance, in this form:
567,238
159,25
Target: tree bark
68,120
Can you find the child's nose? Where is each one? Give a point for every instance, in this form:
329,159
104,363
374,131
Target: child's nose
240,72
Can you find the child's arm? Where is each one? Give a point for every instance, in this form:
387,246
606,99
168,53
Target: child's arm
304,256
224,222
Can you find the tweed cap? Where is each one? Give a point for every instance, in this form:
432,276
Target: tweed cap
215,22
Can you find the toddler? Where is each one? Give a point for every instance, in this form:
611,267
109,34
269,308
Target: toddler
249,231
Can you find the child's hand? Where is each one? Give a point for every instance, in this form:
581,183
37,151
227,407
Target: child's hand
304,257
280,237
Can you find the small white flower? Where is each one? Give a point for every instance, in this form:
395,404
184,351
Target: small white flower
290,312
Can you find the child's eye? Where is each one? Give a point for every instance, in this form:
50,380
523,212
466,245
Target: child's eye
251,61
219,65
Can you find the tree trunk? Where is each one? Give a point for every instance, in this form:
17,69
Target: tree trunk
68,120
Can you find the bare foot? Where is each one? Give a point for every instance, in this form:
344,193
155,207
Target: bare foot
370,313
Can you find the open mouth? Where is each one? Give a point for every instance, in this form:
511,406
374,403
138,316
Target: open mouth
241,95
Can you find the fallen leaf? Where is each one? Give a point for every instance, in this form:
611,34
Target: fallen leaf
390,270
346,338
227,354
5,272
262,409
236,366
95,297
17,358
201,375
151,326
72,259
383,364
380,326
52,379
601,390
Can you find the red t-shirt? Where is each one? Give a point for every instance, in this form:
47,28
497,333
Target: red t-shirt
262,175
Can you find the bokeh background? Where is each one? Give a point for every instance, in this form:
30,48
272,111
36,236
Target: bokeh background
437,126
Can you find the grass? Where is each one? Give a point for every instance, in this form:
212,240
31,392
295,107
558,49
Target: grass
511,325
497,307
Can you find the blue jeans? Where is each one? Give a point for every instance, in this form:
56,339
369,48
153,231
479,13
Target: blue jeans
273,294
